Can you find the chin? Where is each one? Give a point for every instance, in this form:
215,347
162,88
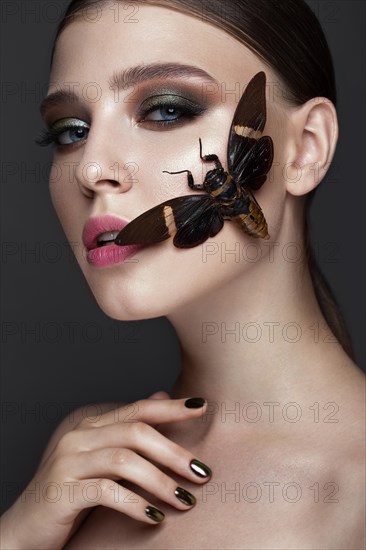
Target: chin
163,281
128,301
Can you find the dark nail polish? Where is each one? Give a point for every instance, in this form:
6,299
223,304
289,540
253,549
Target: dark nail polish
154,513
200,469
194,402
185,496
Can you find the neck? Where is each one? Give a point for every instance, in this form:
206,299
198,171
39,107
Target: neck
260,339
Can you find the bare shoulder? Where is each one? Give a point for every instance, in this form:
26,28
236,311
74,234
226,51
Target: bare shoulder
351,413
339,486
351,463
323,462
338,430
337,510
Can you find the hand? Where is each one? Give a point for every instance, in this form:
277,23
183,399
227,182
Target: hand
82,469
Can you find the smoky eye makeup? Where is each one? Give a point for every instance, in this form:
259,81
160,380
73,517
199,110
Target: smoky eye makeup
64,132
163,109
150,107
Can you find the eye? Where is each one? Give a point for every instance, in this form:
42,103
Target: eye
72,135
65,132
168,110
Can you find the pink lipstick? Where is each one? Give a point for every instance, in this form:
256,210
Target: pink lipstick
98,238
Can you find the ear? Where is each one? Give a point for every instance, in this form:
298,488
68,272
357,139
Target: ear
313,144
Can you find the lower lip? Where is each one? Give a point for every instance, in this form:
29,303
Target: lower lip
104,256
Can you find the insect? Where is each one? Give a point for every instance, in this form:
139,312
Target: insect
192,219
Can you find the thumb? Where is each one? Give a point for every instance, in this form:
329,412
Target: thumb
159,395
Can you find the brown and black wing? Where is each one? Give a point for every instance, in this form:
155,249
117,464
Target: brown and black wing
190,219
250,155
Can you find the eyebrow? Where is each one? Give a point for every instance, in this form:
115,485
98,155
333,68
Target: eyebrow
56,98
121,80
135,75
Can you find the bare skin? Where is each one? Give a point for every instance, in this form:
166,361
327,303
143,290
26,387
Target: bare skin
298,399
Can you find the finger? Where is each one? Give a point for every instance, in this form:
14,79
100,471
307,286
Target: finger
139,437
151,411
158,395
105,492
121,463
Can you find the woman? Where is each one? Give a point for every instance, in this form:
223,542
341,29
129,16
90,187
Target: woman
270,455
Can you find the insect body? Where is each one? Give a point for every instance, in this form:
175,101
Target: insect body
192,219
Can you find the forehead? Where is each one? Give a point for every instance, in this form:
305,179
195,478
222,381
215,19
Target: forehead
117,39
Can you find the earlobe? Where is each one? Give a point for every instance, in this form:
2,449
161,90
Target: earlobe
315,138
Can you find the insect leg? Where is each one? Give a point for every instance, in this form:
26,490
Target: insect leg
192,185
210,158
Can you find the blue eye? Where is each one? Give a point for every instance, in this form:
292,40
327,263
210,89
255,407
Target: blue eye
165,113
72,135
168,110
65,131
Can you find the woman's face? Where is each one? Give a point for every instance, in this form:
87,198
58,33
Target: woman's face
118,168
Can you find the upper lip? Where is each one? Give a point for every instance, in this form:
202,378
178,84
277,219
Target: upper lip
98,225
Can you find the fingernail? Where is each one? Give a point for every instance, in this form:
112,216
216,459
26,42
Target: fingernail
154,513
185,496
194,402
200,469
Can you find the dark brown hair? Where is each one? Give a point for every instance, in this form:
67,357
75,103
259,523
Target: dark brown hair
286,35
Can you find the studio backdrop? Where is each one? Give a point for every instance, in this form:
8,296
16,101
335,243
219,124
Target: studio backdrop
58,349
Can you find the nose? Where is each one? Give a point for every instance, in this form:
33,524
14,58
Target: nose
101,168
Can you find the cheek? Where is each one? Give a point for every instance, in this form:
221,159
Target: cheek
178,150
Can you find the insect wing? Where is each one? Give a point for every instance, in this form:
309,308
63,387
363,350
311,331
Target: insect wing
252,170
248,122
250,155
190,219
206,221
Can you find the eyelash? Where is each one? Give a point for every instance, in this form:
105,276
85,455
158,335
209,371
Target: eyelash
51,136
187,108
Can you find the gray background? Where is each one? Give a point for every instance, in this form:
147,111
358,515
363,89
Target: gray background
75,354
